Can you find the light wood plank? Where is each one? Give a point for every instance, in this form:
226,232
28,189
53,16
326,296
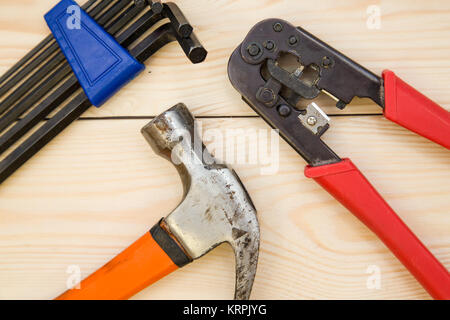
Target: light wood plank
98,187
413,41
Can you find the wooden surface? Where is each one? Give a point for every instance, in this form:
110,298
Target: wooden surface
98,186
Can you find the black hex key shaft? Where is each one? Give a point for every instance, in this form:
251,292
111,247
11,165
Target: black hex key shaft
52,77
51,64
48,40
27,65
77,106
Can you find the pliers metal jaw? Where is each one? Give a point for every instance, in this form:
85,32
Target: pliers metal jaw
274,89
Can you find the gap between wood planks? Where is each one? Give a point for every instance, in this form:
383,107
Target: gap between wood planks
213,117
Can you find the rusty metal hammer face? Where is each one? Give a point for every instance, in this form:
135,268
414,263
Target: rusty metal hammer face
216,207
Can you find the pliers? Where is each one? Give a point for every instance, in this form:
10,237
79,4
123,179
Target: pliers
274,90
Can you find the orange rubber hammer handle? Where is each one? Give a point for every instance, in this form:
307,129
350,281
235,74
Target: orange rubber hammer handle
137,267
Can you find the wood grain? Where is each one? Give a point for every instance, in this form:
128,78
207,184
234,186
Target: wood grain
413,41
98,187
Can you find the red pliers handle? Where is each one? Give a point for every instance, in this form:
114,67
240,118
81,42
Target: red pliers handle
409,108
348,185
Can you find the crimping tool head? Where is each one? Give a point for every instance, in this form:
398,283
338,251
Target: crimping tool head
330,71
274,91
278,65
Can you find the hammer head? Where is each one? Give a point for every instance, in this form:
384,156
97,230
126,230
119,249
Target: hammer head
216,207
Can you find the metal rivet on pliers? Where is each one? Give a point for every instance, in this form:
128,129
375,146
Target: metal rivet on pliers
278,27
293,40
312,121
269,45
327,62
255,50
266,96
284,110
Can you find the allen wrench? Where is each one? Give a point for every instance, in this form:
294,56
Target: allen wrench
177,29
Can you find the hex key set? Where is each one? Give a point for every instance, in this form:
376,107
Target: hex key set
43,81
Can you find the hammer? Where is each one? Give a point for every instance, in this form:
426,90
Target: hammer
215,209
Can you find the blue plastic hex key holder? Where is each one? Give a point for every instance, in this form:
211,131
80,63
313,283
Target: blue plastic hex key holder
100,63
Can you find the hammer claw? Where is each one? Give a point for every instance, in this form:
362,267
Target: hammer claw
246,253
216,207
